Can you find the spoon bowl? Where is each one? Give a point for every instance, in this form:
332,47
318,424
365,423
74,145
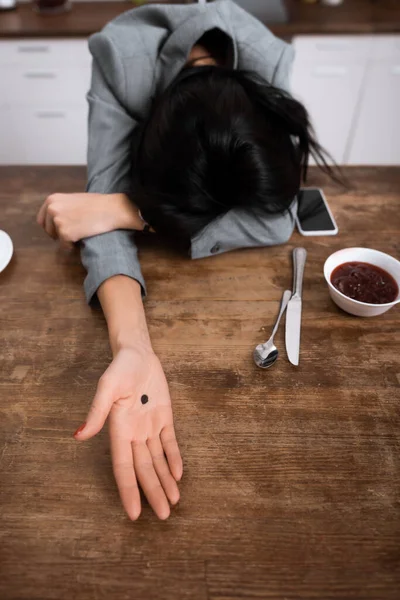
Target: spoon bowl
265,355
269,351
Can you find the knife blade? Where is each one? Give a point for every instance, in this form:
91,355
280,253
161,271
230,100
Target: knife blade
294,309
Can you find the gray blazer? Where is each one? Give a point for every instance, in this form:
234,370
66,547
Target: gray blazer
135,57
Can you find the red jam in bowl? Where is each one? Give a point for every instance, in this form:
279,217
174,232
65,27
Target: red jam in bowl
365,283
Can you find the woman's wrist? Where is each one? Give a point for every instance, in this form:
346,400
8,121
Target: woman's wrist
122,304
123,212
129,340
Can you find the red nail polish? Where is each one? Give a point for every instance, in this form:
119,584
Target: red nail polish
80,429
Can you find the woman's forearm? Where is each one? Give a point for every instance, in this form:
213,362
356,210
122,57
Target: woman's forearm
121,301
73,217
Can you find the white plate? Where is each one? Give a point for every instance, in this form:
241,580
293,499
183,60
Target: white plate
6,250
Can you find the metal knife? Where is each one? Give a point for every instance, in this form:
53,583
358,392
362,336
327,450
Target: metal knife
293,311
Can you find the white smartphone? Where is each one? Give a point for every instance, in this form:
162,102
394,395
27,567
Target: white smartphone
314,217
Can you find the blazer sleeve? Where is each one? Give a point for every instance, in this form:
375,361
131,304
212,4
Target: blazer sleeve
111,130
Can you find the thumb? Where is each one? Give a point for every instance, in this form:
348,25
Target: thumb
98,413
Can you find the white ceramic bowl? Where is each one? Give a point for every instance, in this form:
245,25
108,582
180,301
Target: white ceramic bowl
373,257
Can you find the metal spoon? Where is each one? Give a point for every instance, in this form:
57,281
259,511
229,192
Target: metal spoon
265,355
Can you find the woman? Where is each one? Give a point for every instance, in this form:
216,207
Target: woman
192,134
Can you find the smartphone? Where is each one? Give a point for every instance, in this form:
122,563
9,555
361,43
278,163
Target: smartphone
314,217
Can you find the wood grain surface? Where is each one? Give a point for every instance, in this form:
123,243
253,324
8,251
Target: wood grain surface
291,486
353,16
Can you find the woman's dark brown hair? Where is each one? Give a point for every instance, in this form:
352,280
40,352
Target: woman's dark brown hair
217,139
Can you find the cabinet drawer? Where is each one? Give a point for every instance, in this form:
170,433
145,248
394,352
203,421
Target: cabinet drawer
387,47
44,52
330,94
43,136
341,48
53,86
377,133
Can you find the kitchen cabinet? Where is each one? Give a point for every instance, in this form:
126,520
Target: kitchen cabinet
331,93
62,85
43,108
44,52
45,135
328,77
376,138
351,88
350,85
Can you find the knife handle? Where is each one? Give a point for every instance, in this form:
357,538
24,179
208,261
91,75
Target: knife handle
299,262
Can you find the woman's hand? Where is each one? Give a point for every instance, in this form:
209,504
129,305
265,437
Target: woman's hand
134,393
72,217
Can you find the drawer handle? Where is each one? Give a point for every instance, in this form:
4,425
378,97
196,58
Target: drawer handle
50,115
33,49
38,75
329,71
325,47
396,70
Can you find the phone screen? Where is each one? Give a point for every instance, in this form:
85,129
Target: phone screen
312,213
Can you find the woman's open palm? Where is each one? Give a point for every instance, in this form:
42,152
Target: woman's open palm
134,393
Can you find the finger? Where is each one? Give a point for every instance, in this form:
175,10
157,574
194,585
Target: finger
171,449
41,214
124,473
162,469
49,226
149,481
98,412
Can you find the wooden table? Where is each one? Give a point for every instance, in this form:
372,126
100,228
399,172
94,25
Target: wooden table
85,18
291,486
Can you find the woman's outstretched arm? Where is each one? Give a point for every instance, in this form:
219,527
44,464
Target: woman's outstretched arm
133,393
